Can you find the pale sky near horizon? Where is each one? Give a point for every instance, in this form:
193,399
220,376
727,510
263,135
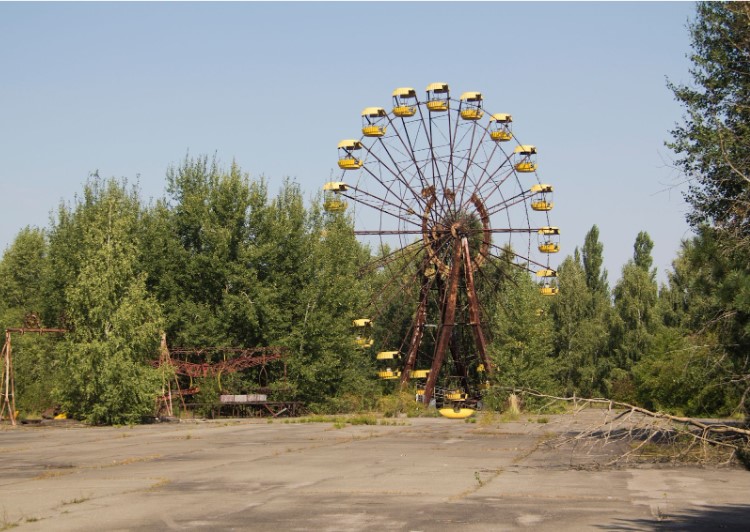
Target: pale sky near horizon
128,89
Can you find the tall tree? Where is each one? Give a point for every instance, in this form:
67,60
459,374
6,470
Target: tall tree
522,337
104,376
593,259
713,142
642,252
635,317
580,326
22,272
713,148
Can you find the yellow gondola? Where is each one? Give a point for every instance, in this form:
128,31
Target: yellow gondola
438,97
500,129
389,374
404,102
347,159
373,122
364,342
419,373
526,156
387,355
331,200
549,239
471,106
362,322
456,395
548,288
542,199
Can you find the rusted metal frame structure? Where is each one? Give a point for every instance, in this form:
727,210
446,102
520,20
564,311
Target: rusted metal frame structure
244,358
451,175
8,385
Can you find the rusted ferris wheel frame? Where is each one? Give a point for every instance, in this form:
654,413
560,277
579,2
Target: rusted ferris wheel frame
437,176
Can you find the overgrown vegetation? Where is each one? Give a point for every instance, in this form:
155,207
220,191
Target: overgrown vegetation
220,262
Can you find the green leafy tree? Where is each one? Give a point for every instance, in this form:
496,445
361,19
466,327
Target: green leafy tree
581,332
593,259
205,282
635,317
713,148
522,344
104,375
22,270
713,142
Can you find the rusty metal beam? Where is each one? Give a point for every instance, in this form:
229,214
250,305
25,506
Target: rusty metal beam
416,339
474,315
447,323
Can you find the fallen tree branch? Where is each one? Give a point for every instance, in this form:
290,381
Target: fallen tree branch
637,429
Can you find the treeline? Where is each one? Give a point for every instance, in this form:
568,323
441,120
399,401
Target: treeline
218,262
681,347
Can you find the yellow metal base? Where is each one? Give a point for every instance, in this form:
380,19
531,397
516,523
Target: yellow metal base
334,205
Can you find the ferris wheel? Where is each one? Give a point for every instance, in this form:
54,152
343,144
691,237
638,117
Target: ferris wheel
451,197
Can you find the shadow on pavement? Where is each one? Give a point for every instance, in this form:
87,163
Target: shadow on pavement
730,517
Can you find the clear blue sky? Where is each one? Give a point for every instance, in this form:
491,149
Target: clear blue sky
129,89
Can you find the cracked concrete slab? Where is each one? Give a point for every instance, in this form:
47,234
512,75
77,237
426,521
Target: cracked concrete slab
419,474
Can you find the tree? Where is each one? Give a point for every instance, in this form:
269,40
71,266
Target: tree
642,252
635,316
593,259
581,334
713,148
22,272
206,281
713,143
104,376
522,337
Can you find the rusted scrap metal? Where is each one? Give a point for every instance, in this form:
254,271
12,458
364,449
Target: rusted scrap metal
243,358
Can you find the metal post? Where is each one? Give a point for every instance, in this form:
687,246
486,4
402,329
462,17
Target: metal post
446,326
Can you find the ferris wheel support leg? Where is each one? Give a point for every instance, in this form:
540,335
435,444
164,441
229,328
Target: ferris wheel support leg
416,338
446,327
474,317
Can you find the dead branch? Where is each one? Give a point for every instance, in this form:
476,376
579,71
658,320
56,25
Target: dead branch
637,432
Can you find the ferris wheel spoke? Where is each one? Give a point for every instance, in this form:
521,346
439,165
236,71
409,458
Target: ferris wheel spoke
402,281
381,204
409,148
488,161
466,171
397,174
525,258
386,188
491,178
519,198
409,252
